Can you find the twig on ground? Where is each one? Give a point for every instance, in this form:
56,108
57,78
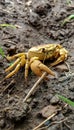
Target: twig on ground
9,41
64,78
34,86
55,122
2,81
68,66
68,74
67,125
9,85
37,127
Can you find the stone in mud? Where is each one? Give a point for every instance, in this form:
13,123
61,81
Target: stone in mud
34,19
62,68
54,34
48,97
42,7
2,123
2,2
34,103
11,50
48,111
54,100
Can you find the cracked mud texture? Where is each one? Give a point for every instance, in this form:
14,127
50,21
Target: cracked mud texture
38,22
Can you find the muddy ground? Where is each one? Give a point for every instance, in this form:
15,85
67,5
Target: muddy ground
37,22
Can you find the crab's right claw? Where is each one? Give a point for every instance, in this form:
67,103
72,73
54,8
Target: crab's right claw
39,68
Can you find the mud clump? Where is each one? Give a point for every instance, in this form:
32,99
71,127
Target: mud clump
12,50
38,22
34,19
16,109
42,7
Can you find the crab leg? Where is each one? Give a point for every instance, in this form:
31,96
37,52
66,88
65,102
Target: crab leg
61,58
14,56
13,72
26,69
13,65
19,64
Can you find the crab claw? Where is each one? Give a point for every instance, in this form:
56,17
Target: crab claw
38,68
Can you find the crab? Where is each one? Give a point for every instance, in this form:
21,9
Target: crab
35,58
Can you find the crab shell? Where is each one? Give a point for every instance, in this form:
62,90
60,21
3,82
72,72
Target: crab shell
48,51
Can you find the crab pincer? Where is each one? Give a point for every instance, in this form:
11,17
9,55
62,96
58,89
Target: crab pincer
39,68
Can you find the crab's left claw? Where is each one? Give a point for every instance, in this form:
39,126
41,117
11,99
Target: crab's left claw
38,67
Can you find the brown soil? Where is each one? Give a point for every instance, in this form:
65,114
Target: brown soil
38,22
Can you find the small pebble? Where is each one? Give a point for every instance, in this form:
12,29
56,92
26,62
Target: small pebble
62,68
54,100
12,50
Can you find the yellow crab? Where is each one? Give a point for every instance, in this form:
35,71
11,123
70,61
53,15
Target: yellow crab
34,57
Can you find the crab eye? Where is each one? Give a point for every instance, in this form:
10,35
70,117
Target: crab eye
43,50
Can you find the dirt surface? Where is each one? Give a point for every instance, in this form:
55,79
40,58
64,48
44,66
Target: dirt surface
37,22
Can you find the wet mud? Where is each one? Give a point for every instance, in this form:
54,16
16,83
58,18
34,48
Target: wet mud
37,23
